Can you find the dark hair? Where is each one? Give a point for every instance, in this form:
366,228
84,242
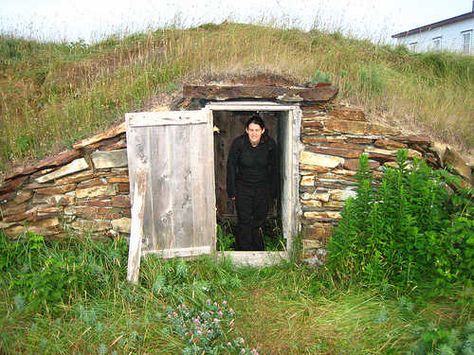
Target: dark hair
256,119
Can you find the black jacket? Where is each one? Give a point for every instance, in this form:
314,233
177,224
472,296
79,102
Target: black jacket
253,166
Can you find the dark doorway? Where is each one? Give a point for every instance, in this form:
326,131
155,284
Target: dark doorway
227,126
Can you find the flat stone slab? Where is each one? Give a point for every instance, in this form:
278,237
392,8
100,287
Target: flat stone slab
327,161
73,167
112,132
110,159
254,258
122,225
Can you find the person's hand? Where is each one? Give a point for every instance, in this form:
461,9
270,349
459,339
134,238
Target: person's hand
233,198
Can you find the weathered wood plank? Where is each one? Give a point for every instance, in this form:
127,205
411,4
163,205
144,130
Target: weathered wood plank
136,228
199,187
181,185
181,252
291,94
209,233
138,159
173,118
162,194
149,239
164,151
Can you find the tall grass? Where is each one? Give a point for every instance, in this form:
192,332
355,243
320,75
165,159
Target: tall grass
55,93
290,308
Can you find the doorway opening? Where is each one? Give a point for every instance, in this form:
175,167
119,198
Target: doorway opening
283,125
227,126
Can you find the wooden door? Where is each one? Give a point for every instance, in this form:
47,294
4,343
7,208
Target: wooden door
173,151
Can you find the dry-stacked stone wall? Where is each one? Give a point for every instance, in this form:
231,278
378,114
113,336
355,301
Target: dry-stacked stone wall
334,136
85,189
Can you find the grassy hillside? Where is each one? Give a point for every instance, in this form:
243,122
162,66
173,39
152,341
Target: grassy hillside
53,94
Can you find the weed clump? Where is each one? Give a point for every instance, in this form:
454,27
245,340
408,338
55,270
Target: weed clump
208,330
44,275
410,229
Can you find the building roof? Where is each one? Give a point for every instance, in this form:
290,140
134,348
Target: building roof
431,26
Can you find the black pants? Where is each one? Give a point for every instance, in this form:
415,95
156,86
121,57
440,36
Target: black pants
252,208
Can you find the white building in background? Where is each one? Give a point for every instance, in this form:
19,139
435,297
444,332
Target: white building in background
453,34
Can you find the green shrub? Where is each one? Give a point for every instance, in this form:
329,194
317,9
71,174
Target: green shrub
406,230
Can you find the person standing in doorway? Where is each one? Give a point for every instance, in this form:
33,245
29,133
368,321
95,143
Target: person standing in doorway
252,180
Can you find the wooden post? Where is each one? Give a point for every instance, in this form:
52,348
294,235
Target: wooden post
136,228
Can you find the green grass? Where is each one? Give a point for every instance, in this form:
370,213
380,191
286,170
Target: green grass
45,87
289,308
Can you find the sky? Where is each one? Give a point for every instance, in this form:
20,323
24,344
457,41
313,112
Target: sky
93,20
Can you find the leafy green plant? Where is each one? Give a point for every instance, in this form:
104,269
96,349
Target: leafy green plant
208,330
438,340
406,230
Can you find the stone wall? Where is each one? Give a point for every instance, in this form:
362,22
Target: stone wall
86,189
334,136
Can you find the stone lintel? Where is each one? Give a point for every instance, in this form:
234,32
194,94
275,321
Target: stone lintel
222,92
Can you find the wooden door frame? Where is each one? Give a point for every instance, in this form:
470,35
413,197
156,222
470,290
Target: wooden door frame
291,209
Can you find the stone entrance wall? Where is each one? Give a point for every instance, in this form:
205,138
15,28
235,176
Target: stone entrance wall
86,189
83,190
334,136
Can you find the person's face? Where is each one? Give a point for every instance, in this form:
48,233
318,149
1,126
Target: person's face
254,132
